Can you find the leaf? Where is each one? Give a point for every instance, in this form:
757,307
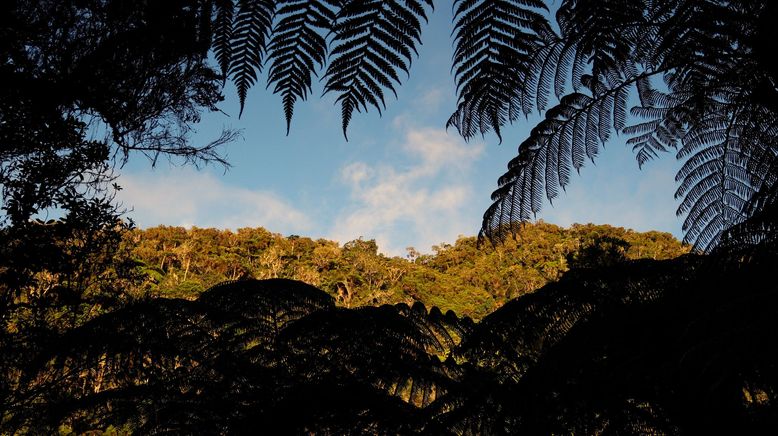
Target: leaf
372,42
298,48
571,132
247,47
493,43
715,183
222,38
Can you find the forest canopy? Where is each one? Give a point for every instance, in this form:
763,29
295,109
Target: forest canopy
182,263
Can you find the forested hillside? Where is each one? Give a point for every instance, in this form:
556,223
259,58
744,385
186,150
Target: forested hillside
473,282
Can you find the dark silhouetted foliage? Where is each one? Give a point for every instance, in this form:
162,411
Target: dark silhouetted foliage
363,44
701,84
690,76
84,85
672,347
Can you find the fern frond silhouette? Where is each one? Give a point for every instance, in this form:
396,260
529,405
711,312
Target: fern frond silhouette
373,42
712,106
687,69
298,48
493,43
248,44
677,346
572,357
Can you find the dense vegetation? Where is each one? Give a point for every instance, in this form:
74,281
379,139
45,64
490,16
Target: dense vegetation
650,347
461,277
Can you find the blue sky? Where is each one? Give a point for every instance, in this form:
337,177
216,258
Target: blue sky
401,179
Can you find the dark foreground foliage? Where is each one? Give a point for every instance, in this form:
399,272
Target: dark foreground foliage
663,347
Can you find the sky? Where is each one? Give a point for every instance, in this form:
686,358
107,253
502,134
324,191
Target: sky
401,178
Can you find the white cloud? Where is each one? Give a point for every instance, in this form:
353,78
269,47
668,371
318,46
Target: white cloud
439,151
187,197
423,203
356,173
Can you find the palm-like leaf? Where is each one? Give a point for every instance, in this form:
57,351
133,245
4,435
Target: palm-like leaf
444,332
720,115
373,41
222,34
129,365
757,235
712,110
172,365
249,40
715,185
664,122
493,42
375,346
574,129
571,133
265,307
509,60
298,48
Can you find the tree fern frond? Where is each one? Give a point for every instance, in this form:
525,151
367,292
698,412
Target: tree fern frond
375,346
568,60
373,40
267,306
549,65
132,363
542,166
250,30
509,60
715,182
663,127
620,99
298,48
572,132
222,35
604,32
759,232
493,43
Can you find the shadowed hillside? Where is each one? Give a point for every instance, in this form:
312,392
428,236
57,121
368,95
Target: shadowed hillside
661,347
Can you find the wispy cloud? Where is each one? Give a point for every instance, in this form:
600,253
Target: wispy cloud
422,203
187,197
